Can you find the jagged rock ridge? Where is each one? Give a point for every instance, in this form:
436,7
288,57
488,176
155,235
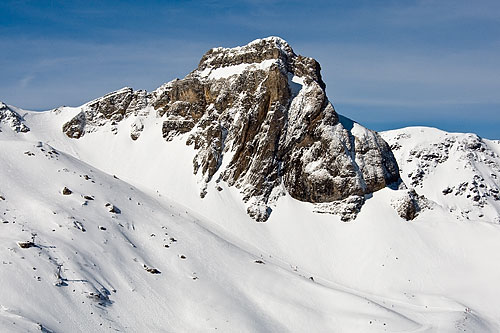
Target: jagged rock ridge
12,119
111,108
259,119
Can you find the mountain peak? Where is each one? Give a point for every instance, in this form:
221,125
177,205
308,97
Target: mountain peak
258,119
271,39
257,51
260,54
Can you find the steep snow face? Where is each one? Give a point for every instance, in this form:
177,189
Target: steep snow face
258,117
83,250
460,172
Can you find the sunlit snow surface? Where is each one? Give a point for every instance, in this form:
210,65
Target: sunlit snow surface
221,270
225,72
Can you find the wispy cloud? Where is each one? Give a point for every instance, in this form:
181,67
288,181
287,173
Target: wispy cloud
24,82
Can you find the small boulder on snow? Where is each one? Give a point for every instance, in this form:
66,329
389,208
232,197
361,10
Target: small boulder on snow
66,191
113,209
152,270
25,244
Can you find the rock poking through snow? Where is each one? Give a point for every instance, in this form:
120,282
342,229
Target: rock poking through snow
13,119
66,191
409,205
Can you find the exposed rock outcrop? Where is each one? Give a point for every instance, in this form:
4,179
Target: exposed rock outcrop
109,109
75,128
459,171
259,119
12,119
347,208
410,204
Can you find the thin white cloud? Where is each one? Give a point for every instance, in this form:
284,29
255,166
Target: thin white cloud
25,81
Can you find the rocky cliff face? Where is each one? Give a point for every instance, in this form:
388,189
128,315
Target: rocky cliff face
259,119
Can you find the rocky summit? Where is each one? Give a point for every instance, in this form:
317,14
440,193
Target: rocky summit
259,119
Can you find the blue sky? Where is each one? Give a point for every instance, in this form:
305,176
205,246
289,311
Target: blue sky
387,64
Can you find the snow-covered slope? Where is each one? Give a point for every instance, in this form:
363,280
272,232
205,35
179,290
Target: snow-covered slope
376,273
108,231
204,281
